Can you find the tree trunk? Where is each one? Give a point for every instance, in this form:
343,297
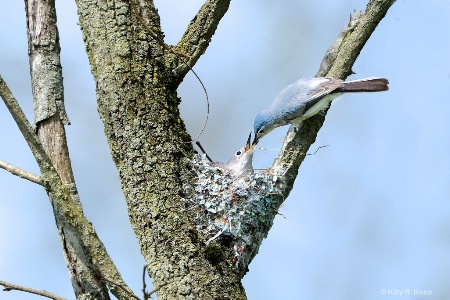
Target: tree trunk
138,103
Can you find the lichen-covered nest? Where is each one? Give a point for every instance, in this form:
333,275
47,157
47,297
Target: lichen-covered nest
240,207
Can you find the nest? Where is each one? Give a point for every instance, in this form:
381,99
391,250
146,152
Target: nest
240,208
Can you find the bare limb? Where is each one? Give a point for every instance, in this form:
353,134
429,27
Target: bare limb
25,127
348,46
84,253
333,51
19,172
353,44
10,287
50,117
53,184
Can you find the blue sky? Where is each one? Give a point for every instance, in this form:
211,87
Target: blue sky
368,214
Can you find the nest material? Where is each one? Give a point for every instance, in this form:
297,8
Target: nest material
242,208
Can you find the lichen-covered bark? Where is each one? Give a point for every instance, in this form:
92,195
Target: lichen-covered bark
197,36
50,117
45,66
138,103
86,258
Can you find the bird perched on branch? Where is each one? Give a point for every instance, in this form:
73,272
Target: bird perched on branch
306,97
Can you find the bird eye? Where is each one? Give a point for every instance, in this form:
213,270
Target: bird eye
238,153
261,131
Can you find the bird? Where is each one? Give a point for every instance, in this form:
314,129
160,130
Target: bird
241,162
307,97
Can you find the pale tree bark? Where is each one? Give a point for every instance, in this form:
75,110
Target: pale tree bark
82,251
136,79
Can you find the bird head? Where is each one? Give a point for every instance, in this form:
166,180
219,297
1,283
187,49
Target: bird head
262,126
241,162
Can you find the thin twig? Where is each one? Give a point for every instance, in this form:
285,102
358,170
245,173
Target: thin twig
25,127
317,150
147,295
9,287
21,173
144,286
203,150
181,56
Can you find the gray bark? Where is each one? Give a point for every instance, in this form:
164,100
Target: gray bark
50,117
138,103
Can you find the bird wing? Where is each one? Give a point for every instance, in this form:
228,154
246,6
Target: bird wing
302,94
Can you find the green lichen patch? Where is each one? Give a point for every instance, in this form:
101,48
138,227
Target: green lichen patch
213,253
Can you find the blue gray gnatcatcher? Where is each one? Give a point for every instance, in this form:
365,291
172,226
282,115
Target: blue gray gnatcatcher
306,97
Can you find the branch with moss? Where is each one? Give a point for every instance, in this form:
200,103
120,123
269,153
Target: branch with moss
337,63
82,233
25,128
83,251
198,34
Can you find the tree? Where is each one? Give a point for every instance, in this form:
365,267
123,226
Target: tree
154,45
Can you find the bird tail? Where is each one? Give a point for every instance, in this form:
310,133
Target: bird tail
371,84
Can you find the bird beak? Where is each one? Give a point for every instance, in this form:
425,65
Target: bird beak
255,141
248,146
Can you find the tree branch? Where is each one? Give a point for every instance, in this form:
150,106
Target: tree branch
84,253
9,287
197,36
19,172
48,97
332,52
336,65
25,127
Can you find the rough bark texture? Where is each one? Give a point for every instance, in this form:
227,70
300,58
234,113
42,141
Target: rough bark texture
138,103
47,87
50,117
